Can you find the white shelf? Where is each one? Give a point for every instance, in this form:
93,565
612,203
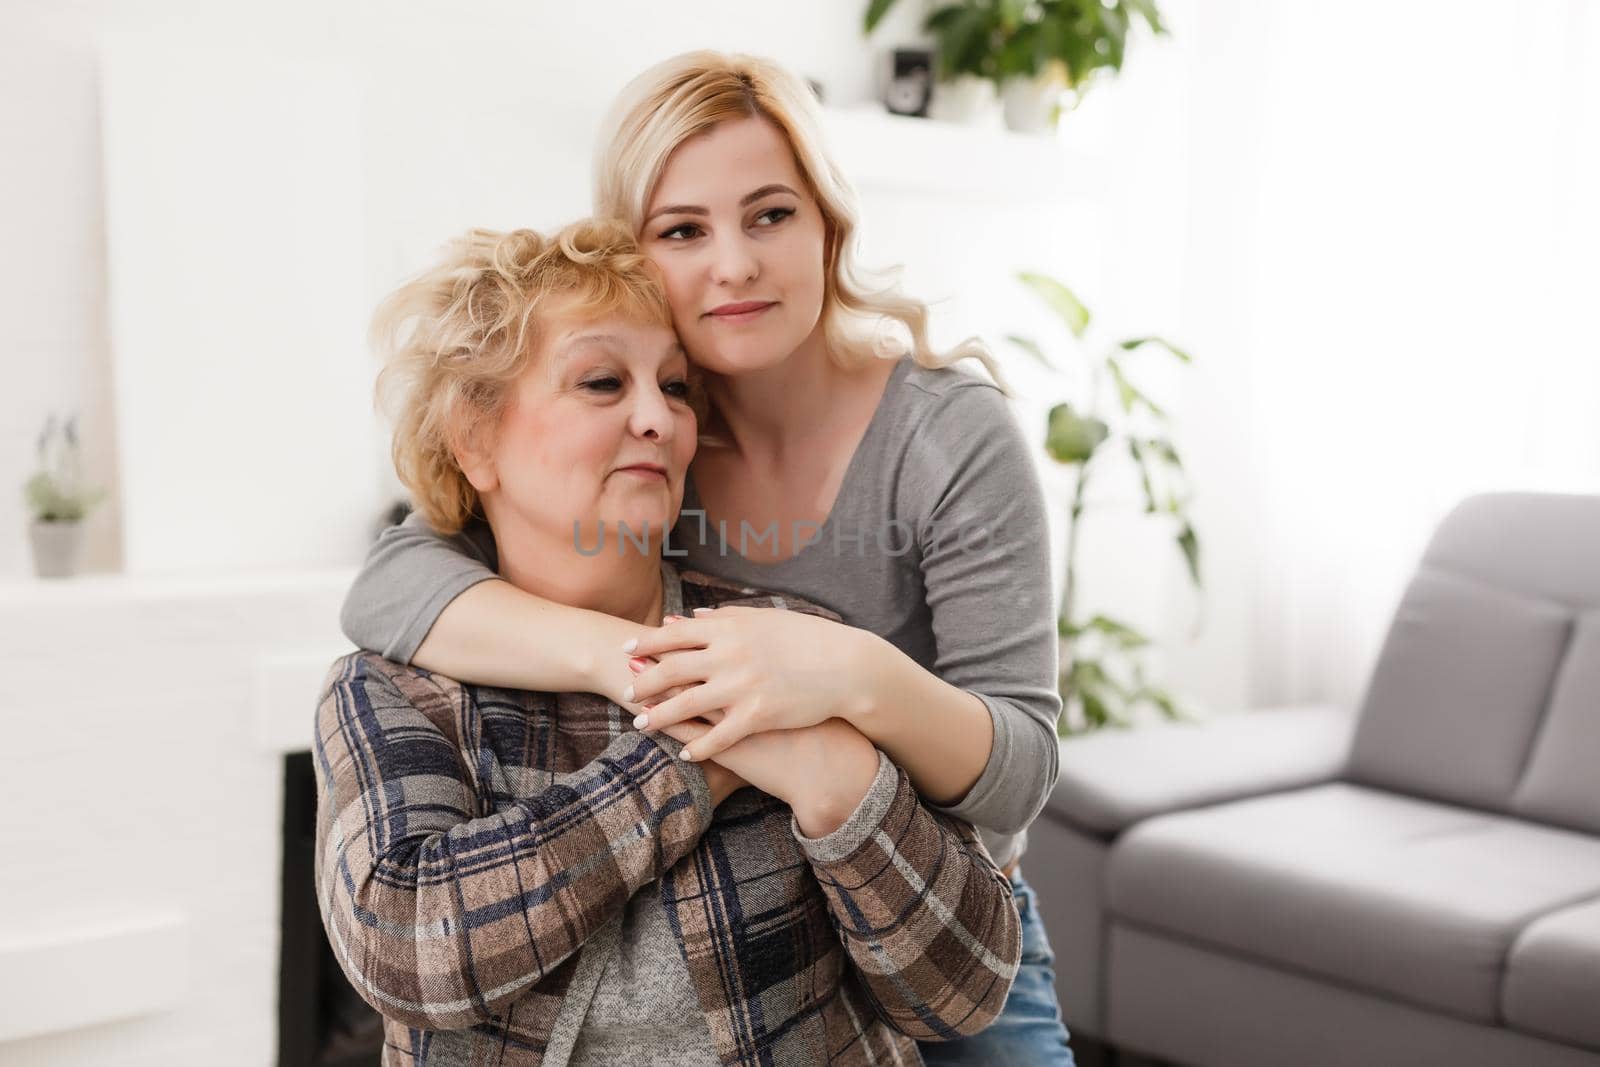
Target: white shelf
105,587
881,151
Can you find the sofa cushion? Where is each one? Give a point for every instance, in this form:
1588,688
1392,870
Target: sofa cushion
1538,544
1562,782
1459,690
1392,894
1112,779
1552,984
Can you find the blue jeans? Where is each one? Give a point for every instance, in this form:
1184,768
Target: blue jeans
1029,1031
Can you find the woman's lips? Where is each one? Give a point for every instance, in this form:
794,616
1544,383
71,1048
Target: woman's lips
650,473
745,311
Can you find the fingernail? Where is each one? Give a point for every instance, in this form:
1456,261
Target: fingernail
629,646
638,665
685,754
641,721
627,694
671,618
703,611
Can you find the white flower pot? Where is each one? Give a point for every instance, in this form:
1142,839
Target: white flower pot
969,100
1030,103
57,548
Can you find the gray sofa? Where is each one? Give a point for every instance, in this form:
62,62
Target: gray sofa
1416,883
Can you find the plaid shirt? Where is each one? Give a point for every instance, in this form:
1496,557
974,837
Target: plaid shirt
477,847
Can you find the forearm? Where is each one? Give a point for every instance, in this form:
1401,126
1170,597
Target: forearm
940,735
825,801
443,929
927,920
496,634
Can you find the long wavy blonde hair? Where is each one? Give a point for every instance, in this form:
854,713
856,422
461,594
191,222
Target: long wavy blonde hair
687,95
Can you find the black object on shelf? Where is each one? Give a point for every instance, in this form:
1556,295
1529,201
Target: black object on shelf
910,82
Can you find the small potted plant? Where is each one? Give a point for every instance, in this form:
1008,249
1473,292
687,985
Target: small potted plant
1041,54
1049,60
59,500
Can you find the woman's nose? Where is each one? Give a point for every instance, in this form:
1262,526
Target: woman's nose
651,417
735,262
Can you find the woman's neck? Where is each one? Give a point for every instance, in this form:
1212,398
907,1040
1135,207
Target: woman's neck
626,584
773,411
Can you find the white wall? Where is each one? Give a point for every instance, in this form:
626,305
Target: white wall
1392,244
519,85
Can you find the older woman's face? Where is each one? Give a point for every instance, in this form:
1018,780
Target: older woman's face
740,243
597,429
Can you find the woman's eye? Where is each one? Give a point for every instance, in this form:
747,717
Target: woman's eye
678,388
774,215
681,232
603,385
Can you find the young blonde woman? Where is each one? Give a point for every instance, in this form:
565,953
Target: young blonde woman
896,492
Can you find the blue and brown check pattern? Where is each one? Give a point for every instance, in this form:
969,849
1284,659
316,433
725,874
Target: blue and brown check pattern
473,842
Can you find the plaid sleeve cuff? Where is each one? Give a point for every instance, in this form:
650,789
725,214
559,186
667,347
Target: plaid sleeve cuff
694,775
854,831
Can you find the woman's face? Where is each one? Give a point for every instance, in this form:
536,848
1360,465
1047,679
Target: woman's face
597,429
739,240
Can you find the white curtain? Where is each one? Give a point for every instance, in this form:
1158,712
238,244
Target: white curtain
1403,276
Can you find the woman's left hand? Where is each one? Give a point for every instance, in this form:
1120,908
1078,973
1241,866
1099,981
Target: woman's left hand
765,669
821,771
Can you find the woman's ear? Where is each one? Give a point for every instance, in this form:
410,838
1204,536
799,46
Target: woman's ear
474,453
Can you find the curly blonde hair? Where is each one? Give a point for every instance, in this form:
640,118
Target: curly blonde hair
689,94
454,340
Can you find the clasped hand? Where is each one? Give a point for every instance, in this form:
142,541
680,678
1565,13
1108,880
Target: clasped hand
766,695
763,669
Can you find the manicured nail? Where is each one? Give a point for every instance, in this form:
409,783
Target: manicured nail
641,721
703,611
638,665
685,754
627,694
629,646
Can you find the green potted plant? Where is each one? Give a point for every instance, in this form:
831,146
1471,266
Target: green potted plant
1104,678
1058,50
1037,52
59,500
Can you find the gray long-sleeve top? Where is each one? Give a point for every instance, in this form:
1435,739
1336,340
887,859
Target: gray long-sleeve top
937,542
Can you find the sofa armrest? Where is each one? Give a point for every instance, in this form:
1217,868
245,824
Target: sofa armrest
1113,779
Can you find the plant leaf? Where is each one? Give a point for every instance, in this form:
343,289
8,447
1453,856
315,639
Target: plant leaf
1139,342
1095,713
1033,349
1126,393
1190,545
1120,633
1070,438
1164,701
1147,9
1144,476
1129,393
1165,449
875,12
1063,301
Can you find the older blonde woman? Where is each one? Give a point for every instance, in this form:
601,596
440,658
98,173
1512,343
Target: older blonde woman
521,877
898,493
